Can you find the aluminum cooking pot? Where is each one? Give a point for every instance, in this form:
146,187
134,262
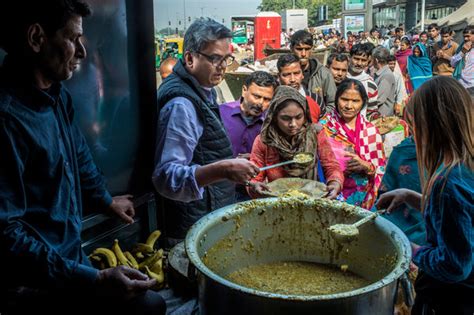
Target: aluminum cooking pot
293,229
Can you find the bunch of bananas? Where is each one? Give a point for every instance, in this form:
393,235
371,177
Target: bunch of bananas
143,257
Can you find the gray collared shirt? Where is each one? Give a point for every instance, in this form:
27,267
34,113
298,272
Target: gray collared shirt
385,81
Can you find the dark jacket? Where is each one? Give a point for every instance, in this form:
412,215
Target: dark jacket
319,80
214,145
46,172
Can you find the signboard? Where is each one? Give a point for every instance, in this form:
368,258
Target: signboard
354,5
239,32
354,23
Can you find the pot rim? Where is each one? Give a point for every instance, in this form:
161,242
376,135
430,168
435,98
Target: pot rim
196,233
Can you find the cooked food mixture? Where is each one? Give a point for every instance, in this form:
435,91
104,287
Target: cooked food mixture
298,278
346,230
294,193
303,158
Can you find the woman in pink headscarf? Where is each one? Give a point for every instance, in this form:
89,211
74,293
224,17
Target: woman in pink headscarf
402,59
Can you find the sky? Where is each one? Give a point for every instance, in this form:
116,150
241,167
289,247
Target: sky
173,10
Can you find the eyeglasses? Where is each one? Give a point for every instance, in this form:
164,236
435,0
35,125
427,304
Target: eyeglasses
217,60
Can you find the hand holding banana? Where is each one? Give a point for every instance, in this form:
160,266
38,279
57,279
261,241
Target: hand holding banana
144,258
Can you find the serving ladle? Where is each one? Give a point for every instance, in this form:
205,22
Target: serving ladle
345,233
299,158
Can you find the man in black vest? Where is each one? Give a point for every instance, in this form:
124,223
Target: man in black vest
194,169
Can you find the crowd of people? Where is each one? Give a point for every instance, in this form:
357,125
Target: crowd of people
209,155
333,111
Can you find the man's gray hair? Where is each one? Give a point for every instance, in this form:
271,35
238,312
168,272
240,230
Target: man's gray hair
381,54
203,31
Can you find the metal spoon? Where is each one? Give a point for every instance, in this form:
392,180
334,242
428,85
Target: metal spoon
296,159
348,232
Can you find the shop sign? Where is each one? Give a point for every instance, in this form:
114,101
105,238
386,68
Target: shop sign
354,5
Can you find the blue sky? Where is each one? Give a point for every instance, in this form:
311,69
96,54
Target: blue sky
173,10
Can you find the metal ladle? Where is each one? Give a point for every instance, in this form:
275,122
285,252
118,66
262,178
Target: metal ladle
347,232
296,159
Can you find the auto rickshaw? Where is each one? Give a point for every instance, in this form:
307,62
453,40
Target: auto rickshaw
159,43
169,47
173,47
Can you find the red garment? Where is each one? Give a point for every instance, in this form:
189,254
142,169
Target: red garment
402,59
314,109
263,155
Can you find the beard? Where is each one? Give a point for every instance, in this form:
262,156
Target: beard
357,70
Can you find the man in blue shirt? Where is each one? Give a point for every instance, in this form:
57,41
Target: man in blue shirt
194,169
47,173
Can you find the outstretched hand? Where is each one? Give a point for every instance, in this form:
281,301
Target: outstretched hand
259,188
123,207
392,200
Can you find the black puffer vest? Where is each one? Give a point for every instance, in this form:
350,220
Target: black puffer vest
214,145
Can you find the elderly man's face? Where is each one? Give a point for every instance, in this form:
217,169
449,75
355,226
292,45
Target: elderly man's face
359,63
61,54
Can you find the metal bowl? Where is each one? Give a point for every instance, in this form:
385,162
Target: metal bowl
285,185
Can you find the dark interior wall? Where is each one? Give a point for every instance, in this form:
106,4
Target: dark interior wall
114,92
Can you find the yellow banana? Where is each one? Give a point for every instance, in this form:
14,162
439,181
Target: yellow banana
139,255
98,261
157,267
120,255
151,240
150,261
95,258
143,248
133,262
160,278
107,254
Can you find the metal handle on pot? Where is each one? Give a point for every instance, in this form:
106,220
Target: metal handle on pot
407,288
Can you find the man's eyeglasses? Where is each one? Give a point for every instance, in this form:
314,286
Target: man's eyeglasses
217,60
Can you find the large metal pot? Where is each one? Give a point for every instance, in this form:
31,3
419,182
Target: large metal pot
292,229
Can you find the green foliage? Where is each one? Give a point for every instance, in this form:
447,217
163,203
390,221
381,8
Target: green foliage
311,5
